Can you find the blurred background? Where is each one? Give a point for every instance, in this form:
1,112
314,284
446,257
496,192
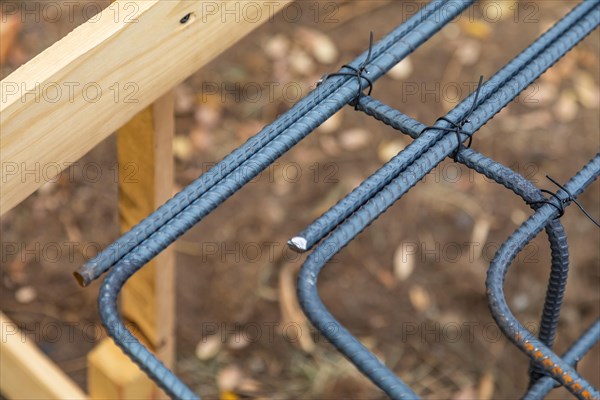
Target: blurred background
411,286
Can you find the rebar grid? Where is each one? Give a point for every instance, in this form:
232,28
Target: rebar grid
275,139
518,185
343,222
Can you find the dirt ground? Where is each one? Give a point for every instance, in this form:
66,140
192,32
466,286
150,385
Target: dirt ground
411,286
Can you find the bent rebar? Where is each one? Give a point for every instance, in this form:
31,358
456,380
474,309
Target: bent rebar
131,346
523,64
139,254
275,139
510,326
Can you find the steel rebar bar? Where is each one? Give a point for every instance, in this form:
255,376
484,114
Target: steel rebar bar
289,129
525,61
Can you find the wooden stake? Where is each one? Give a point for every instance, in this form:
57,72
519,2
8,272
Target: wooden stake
145,160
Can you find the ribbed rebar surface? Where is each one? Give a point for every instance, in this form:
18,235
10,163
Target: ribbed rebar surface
351,215
288,129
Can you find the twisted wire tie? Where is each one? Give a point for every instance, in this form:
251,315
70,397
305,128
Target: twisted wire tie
562,203
359,73
457,127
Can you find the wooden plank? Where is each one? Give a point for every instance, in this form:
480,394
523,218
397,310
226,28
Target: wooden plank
27,373
133,52
146,176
